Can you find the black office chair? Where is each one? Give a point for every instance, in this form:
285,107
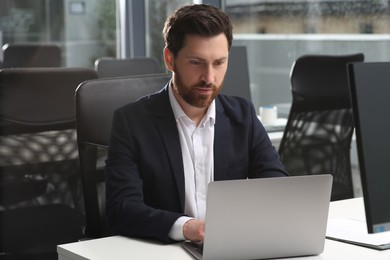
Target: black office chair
317,137
108,67
96,101
31,55
40,202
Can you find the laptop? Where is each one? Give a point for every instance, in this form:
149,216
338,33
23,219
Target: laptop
265,218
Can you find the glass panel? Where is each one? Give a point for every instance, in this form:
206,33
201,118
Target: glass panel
277,32
85,30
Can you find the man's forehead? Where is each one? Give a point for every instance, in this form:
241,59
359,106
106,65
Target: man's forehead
202,47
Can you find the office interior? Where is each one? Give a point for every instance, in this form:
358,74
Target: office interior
275,34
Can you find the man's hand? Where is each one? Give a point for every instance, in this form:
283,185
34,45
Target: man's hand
194,230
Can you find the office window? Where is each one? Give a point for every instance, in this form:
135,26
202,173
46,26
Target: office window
277,32
84,29
156,14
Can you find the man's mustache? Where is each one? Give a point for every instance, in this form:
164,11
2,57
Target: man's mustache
205,85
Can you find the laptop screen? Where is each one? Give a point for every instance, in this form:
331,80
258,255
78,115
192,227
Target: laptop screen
244,218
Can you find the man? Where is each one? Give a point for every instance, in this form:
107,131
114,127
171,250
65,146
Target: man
166,148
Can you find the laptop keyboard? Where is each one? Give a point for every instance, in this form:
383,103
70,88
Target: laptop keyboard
194,249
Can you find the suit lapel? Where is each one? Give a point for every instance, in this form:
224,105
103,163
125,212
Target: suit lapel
167,127
221,142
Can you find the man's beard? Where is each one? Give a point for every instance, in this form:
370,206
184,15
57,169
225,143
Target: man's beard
190,95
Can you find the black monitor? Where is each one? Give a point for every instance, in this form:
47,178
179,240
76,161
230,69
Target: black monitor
370,92
237,81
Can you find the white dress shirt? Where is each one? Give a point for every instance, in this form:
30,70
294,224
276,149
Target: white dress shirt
197,146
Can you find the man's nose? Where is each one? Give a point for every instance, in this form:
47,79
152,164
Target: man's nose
208,75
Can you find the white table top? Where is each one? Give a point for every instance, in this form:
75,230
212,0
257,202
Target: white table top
119,248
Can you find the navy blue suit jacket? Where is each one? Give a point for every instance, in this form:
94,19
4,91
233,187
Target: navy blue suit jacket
144,169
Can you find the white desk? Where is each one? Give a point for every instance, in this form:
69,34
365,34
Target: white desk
119,248
276,138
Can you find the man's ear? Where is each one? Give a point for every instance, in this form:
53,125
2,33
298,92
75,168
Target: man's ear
168,59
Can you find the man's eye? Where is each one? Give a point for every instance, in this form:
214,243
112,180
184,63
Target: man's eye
195,62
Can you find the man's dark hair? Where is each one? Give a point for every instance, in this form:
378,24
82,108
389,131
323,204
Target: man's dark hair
201,19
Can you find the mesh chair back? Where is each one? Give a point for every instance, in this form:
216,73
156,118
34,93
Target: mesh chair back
317,137
96,101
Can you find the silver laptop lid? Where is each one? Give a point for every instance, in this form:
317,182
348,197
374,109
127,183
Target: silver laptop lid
267,218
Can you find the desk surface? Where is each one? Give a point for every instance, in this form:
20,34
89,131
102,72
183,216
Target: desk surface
119,248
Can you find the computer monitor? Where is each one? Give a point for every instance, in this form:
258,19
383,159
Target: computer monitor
237,81
370,92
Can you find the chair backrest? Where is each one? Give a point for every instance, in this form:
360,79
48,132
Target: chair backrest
37,125
107,67
237,81
317,137
39,165
96,101
31,55
36,106
34,98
